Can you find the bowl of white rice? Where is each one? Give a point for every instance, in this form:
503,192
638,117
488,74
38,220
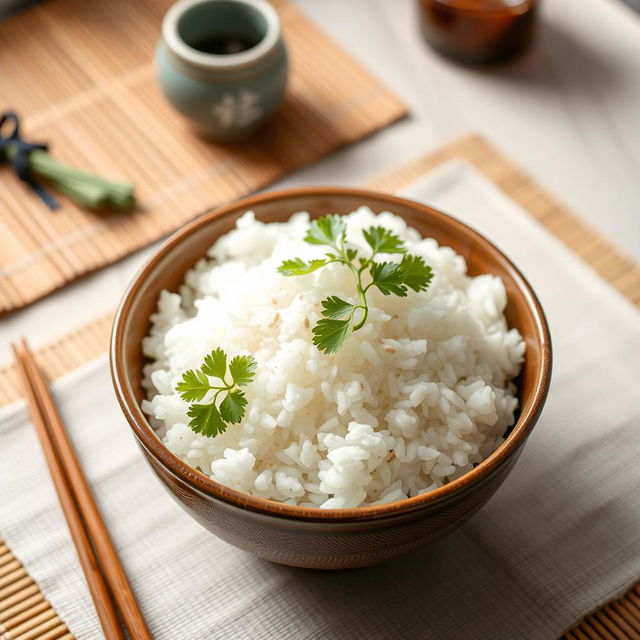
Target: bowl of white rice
390,378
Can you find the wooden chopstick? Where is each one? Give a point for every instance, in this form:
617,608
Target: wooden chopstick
99,592
90,515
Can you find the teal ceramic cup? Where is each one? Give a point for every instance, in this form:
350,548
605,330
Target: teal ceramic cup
222,64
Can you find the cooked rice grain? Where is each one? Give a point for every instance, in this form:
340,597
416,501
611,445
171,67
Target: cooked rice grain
414,399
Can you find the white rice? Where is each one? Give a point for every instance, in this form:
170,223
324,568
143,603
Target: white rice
414,399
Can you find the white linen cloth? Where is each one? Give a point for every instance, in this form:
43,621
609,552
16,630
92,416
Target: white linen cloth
560,537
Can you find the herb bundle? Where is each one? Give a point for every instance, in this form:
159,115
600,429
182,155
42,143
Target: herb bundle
31,161
341,318
86,189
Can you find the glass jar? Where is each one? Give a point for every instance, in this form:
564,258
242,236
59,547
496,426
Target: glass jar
478,31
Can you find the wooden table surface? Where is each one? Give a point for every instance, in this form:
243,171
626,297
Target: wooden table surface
568,112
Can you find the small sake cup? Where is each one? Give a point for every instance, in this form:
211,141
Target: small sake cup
222,64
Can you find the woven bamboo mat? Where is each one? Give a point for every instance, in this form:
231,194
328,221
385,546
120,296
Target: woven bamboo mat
80,74
25,614
617,620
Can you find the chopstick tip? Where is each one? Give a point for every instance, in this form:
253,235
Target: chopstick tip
17,350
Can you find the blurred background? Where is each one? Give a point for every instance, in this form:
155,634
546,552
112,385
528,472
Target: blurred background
567,110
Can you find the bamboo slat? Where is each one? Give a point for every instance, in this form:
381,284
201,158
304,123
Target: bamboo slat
618,620
24,611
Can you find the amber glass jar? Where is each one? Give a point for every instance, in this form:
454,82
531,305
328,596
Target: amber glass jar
478,31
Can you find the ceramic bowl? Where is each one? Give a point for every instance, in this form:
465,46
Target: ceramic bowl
332,538
225,91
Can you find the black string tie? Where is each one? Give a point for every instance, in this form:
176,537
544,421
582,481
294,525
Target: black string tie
15,151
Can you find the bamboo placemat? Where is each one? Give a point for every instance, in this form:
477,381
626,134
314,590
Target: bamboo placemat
80,74
25,614
617,620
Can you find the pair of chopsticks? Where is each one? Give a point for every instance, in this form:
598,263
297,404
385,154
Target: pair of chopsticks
105,576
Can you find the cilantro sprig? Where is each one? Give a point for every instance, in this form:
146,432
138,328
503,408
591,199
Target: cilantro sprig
213,418
339,317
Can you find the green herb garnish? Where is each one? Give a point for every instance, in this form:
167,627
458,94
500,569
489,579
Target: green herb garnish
341,318
86,189
213,418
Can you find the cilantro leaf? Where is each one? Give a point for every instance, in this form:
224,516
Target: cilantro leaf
339,319
382,240
206,419
334,307
329,333
300,267
193,386
211,419
415,273
233,406
388,277
215,364
330,230
242,369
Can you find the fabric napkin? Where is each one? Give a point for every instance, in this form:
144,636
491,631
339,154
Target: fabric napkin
559,538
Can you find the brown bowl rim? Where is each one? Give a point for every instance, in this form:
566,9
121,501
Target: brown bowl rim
205,485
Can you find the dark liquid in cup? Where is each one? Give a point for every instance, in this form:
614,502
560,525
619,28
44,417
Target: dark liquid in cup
224,45
478,31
